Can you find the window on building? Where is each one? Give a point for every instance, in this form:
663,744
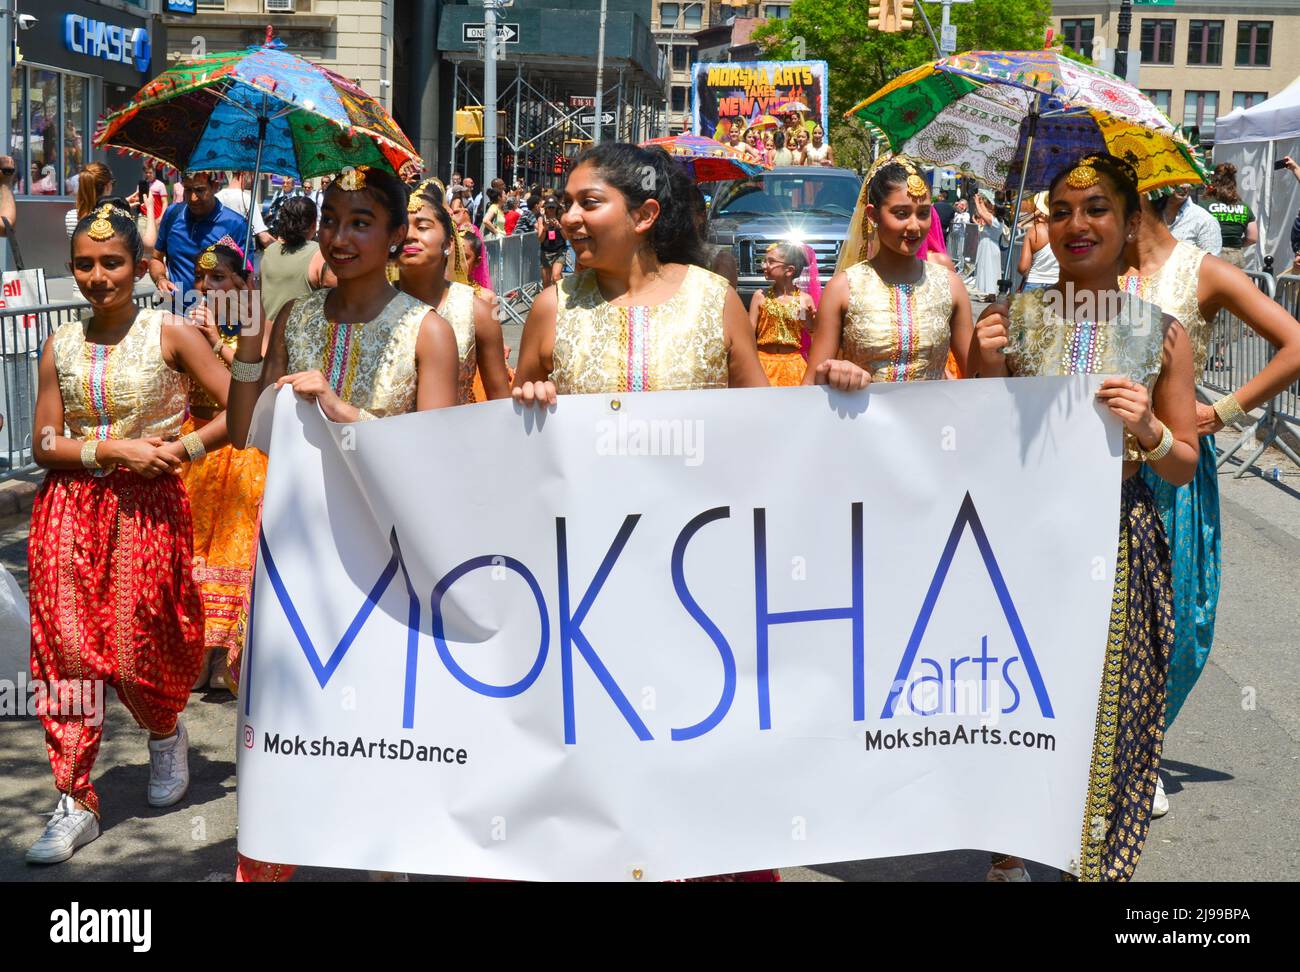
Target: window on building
1159,98
776,12
50,129
1248,99
694,17
1200,108
211,4
668,13
1077,34
1254,38
679,98
1157,41
683,57
1205,42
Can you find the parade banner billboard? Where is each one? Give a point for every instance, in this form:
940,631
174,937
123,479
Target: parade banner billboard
654,636
728,93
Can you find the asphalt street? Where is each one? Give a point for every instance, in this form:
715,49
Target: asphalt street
1231,757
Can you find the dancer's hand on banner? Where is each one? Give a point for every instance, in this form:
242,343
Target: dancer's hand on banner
149,458
1130,402
539,393
841,375
992,336
313,386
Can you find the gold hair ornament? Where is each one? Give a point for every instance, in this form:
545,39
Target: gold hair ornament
916,187
1082,176
353,180
101,229
208,259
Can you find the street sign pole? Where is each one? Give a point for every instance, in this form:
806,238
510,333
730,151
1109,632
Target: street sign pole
489,94
600,75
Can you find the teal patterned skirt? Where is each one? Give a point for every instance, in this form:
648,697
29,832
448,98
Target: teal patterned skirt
1191,518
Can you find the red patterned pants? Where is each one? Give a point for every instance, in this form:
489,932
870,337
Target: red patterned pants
113,599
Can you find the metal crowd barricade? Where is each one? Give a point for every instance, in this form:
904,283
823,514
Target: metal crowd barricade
1236,353
23,332
514,262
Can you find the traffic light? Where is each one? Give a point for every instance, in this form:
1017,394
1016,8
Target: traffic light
891,16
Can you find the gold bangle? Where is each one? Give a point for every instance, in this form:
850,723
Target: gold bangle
194,446
1163,448
1229,409
88,458
249,372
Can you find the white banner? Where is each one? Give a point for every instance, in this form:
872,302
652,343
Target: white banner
654,636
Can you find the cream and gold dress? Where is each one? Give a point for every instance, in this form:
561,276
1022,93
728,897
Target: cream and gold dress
458,310
1190,513
898,332
371,364
679,344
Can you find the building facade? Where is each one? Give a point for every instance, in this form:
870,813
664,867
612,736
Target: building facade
69,64
352,37
1196,59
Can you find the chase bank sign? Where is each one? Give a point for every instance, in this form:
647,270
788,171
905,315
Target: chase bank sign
95,38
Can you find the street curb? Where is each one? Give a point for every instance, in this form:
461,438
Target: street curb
16,496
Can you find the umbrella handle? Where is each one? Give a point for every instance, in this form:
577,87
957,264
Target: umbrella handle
1031,130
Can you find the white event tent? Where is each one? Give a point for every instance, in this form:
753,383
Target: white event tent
1254,139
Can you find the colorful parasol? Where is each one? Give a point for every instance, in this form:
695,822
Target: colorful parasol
974,111
787,106
706,159
260,109
763,122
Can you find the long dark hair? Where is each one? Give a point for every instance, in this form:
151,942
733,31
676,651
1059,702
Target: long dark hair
386,189
641,174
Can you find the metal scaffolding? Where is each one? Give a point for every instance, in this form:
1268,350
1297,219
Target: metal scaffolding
542,127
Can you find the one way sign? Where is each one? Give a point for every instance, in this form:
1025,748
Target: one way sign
477,33
606,118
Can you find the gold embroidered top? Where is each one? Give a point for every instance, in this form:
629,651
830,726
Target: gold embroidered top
1173,288
781,319
679,344
1130,344
898,332
370,364
120,391
458,310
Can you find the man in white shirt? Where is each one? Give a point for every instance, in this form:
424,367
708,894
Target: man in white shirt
235,196
455,184
1189,222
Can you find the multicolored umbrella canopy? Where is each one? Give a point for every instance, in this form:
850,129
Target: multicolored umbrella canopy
206,114
969,112
788,106
707,160
766,121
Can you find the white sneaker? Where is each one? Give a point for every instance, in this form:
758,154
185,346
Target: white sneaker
1160,806
1011,875
71,826
169,768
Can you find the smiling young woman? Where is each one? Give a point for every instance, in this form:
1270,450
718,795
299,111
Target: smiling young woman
640,313
113,597
1085,324
423,264
361,350
893,316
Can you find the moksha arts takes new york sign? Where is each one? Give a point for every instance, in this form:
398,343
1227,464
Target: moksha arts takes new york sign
652,636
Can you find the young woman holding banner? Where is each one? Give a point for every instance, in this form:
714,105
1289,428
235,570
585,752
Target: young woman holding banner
361,350
424,263
896,317
640,313
1093,211
1193,286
